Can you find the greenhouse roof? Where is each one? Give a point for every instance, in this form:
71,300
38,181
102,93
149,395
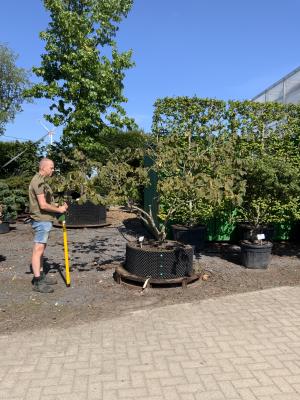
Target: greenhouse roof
286,90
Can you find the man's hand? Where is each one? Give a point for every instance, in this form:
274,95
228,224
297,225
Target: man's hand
50,207
62,209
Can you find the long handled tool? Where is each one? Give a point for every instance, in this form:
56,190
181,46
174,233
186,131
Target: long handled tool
65,235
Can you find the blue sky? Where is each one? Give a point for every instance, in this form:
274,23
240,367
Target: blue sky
220,49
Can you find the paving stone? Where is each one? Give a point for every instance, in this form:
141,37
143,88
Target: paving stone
245,346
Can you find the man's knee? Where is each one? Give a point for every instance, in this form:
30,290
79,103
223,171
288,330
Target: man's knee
39,248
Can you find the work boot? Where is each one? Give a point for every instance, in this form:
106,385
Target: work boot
39,285
49,280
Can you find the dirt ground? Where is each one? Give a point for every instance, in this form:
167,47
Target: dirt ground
94,294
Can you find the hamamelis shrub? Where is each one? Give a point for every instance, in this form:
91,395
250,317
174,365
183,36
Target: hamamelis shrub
123,177
80,182
195,182
195,179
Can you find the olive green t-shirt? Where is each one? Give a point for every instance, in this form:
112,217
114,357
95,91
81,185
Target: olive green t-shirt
37,186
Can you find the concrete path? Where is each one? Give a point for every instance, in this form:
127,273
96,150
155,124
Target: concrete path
245,346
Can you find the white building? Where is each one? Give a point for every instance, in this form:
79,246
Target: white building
286,90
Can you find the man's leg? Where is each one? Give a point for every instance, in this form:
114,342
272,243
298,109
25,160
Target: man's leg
42,259
49,280
37,256
41,230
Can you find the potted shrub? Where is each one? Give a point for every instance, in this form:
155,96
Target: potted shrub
4,224
158,258
193,180
255,250
12,201
188,228
189,211
87,206
272,196
197,179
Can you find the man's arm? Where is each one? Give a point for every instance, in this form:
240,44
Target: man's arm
49,207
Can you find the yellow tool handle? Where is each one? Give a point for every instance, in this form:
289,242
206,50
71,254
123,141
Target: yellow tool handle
68,278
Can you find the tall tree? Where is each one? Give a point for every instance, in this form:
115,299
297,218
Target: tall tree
13,81
82,70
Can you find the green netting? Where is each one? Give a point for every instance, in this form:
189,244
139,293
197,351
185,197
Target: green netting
219,230
284,231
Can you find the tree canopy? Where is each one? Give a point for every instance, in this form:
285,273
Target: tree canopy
13,81
82,71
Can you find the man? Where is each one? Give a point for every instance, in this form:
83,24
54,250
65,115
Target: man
42,212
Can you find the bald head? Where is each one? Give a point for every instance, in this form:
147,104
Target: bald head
46,167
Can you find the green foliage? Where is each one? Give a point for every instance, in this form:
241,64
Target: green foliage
62,154
120,179
272,191
116,182
19,182
12,201
18,188
81,179
194,181
211,160
185,115
109,141
15,178
24,165
268,142
242,155
13,81
112,140
82,70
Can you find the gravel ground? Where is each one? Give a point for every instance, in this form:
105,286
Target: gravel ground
94,294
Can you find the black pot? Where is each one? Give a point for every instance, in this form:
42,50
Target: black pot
85,214
4,227
173,261
194,236
256,256
295,232
244,231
